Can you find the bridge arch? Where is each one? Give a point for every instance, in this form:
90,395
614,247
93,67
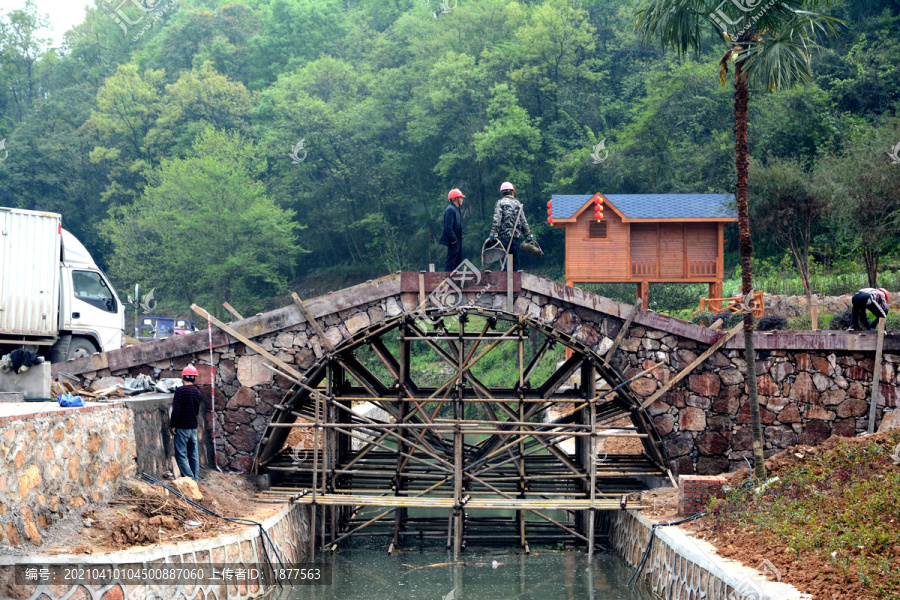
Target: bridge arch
469,411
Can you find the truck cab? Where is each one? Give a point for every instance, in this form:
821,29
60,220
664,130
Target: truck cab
89,308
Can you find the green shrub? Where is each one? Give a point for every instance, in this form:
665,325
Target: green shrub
704,317
732,319
841,321
892,323
772,323
802,323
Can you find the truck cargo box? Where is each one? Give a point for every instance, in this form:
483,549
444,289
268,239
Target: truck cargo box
29,272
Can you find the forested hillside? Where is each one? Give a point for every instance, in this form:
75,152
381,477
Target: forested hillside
231,151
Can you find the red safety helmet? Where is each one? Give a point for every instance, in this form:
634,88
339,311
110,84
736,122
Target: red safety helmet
455,193
189,371
506,186
885,292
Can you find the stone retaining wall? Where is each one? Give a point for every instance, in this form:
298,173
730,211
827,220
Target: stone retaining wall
806,395
681,568
796,306
59,461
288,531
154,440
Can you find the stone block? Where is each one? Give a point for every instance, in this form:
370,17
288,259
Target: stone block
852,407
33,383
815,433
244,398
731,377
284,340
692,419
711,443
833,397
804,390
765,386
355,323
251,371
679,445
705,384
790,414
891,420
664,424
817,412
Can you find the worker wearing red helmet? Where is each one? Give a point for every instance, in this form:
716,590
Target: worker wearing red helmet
452,233
184,422
875,300
510,225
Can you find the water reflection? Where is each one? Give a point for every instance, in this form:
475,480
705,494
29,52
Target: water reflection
489,575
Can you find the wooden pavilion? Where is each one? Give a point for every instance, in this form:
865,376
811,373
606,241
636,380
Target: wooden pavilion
645,238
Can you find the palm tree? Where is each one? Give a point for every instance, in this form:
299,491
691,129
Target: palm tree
770,46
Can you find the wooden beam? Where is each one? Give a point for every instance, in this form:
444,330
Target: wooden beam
699,360
312,322
289,369
876,375
624,330
233,312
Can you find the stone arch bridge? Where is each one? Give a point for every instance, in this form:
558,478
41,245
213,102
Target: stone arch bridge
812,385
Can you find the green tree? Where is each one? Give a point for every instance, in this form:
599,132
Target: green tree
770,47
862,185
205,230
788,209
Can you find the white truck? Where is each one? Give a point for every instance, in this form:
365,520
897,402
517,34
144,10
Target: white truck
53,296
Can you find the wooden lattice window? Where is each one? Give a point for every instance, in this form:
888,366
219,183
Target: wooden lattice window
597,231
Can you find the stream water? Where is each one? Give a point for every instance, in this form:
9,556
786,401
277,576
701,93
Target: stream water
365,574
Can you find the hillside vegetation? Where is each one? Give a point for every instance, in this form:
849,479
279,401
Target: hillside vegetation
233,151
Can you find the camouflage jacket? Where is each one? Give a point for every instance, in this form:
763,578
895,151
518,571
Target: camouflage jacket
505,213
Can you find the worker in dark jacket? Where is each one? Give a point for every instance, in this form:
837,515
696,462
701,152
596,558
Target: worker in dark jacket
872,299
509,224
184,422
452,233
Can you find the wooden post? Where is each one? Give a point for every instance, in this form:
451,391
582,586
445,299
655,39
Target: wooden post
312,322
233,312
699,361
590,391
876,375
422,306
509,283
814,312
631,315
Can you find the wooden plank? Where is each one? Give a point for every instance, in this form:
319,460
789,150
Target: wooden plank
289,369
624,330
876,375
818,340
697,362
233,312
312,322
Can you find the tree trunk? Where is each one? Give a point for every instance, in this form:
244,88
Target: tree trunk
742,156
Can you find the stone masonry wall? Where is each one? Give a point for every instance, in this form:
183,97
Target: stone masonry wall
288,530
153,438
795,306
60,461
704,420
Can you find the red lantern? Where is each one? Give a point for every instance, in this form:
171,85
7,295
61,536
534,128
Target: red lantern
550,220
598,214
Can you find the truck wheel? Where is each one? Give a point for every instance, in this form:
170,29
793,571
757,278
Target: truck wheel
60,350
79,348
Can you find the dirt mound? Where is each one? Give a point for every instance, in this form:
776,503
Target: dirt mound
147,513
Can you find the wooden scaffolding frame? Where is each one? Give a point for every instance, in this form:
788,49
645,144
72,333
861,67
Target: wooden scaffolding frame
420,458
